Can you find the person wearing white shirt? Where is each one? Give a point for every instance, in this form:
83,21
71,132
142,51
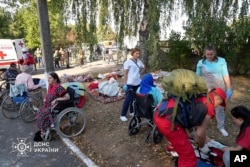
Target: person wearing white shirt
133,68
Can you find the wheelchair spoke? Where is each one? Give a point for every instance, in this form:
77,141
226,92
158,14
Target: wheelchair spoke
9,108
29,109
71,122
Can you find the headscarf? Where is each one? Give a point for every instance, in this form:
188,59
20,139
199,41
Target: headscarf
147,83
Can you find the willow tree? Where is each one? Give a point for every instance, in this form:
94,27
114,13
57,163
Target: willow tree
127,17
209,21
224,24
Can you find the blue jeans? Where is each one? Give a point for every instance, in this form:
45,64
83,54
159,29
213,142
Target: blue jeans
128,100
40,61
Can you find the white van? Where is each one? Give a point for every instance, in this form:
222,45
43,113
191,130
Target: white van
10,52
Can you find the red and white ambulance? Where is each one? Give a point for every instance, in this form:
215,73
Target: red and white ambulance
10,51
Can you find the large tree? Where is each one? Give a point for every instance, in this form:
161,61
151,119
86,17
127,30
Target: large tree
208,20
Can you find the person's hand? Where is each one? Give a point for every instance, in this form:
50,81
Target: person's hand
229,93
54,102
125,87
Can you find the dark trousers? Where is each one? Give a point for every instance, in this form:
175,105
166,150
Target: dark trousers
57,64
128,100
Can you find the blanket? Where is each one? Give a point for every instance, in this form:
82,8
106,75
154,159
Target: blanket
104,98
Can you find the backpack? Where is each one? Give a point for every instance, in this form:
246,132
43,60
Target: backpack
188,114
184,85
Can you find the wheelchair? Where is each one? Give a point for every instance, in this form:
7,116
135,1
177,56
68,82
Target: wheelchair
25,105
143,106
5,87
69,121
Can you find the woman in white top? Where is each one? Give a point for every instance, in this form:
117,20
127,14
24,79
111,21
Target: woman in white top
132,70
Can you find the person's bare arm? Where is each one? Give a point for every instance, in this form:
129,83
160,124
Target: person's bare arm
142,70
125,76
227,81
31,85
236,148
65,97
201,132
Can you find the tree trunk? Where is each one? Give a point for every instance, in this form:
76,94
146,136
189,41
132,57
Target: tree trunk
143,34
43,17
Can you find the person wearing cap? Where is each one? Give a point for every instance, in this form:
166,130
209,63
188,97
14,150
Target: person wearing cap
178,136
28,59
214,70
25,78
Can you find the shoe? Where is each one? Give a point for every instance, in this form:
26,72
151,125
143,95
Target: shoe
131,114
223,132
37,136
123,118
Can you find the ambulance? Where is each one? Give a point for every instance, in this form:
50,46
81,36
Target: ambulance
10,52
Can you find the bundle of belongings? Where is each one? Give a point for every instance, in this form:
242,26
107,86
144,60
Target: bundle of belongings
105,91
80,98
118,73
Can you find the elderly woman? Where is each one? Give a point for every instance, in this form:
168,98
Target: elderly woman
55,93
25,78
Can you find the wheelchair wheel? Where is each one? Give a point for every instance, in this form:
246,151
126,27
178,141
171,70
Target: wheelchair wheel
157,136
3,87
70,122
9,108
3,94
29,109
134,126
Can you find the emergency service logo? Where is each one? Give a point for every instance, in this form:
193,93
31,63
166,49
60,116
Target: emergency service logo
21,147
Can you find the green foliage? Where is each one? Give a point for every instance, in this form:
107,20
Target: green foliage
222,23
5,21
180,54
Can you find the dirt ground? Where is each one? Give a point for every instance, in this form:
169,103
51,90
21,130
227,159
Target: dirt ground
107,143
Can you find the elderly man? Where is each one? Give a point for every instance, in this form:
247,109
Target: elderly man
26,79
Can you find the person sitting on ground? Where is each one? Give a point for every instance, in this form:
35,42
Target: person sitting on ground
55,93
147,87
11,74
26,78
178,136
241,117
